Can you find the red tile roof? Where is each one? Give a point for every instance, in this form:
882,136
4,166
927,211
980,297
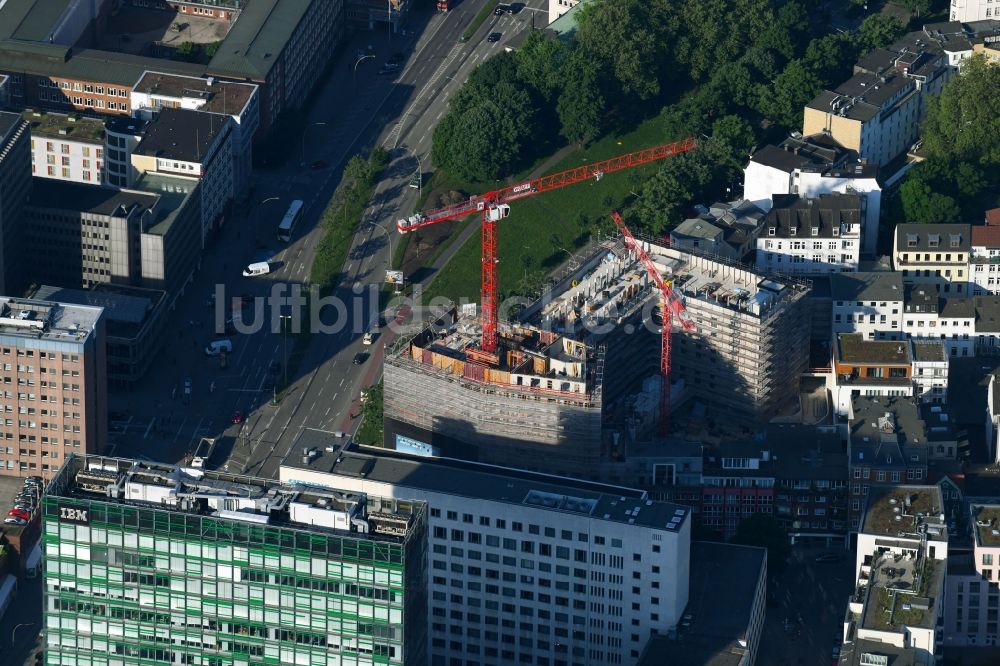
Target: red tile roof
993,217
986,236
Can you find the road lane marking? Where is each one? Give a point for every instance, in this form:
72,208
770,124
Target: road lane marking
150,427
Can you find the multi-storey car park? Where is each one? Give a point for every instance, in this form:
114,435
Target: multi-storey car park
148,562
567,392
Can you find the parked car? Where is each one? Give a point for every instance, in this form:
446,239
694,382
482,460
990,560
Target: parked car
11,520
19,513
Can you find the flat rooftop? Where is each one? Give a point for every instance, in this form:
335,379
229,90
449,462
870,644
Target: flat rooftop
8,121
257,38
126,308
899,420
212,95
723,583
929,351
987,522
487,482
902,592
66,127
232,497
853,348
881,286
52,194
894,509
47,320
173,192
181,134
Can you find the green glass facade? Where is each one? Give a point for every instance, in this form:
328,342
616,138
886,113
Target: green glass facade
128,584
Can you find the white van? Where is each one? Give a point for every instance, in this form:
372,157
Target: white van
259,268
215,347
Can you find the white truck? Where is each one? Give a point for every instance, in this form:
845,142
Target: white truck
203,453
216,347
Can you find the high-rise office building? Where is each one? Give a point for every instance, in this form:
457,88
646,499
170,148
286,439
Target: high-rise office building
15,184
54,373
149,562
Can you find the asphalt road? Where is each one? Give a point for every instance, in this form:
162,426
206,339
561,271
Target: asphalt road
398,112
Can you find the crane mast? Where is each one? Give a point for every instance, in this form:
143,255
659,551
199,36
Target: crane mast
671,305
494,206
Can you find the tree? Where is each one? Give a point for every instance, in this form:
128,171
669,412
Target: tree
922,204
581,105
880,30
762,530
961,123
793,88
540,64
479,144
830,57
916,7
730,144
672,188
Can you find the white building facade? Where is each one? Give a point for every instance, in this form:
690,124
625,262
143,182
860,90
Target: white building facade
868,303
810,236
541,573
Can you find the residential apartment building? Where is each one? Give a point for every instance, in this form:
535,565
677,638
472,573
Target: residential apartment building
153,562
930,371
84,235
870,304
54,370
737,482
966,11
811,483
972,600
240,101
66,147
725,615
877,112
984,255
15,186
811,166
888,444
993,419
525,567
898,601
725,230
192,145
934,254
810,236
953,321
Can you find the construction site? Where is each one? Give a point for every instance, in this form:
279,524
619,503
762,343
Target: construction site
578,375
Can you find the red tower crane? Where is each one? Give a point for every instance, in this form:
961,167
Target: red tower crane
493,206
671,305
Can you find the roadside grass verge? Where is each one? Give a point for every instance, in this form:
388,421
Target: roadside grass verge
481,17
342,215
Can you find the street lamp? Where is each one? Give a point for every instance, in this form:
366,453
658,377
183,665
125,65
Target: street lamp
257,212
14,632
357,62
284,346
420,168
305,133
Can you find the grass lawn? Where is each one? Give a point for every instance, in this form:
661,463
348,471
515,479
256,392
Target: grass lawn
538,227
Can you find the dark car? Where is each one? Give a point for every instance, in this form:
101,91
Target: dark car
494,37
360,358
829,557
237,417
319,164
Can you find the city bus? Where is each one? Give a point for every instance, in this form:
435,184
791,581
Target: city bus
289,221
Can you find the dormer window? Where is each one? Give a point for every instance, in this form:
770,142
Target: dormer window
933,240
770,231
815,231
911,240
836,231
956,240
791,231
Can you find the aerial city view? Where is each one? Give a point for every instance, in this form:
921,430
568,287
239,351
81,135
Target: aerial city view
476,333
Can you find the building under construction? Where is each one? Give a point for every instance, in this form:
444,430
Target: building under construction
574,379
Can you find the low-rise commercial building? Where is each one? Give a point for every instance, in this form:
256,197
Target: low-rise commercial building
737,481
505,544
15,187
54,367
66,147
196,566
725,230
810,236
902,559
189,144
934,254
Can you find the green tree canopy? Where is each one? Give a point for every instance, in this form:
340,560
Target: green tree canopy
922,204
762,530
540,64
581,105
962,124
880,30
794,87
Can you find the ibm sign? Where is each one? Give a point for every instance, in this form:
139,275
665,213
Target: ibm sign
72,514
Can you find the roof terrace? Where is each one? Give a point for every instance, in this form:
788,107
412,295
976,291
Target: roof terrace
987,517
67,127
893,510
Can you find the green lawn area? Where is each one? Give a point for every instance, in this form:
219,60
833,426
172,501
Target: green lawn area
537,227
